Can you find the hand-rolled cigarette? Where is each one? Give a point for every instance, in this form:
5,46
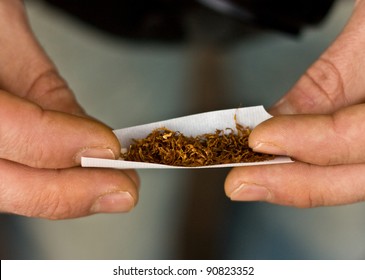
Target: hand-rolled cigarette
207,140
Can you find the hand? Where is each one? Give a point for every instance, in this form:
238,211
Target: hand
43,134
320,124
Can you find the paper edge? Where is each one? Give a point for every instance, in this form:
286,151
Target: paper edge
122,164
256,112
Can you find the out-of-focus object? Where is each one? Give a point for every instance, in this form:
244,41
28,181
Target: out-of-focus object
166,20
285,15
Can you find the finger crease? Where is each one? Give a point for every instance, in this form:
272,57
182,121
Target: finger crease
328,80
42,86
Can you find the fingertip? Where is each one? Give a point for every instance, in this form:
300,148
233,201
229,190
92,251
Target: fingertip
282,107
100,136
80,137
119,199
263,137
239,187
116,202
133,175
251,192
110,191
94,152
232,181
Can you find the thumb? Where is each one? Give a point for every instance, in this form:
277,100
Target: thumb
50,139
336,79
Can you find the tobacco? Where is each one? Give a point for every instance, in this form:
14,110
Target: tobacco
165,146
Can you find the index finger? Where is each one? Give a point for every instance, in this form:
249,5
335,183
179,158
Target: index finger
317,139
336,79
50,139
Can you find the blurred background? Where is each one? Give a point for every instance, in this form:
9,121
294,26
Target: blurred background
208,56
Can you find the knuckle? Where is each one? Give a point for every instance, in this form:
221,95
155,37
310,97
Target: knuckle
25,150
19,139
16,148
45,83
315,199
47,205
342,152
48,194
327,79
51,91
310,199
324,85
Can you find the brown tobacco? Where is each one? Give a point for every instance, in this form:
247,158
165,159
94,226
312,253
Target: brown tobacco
165,146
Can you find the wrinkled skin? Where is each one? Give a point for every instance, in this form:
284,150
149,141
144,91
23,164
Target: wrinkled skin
320,123
44,132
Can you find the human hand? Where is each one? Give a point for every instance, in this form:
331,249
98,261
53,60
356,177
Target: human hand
44,132
320,124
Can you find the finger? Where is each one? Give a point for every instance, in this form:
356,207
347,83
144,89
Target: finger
336,79
317,139
27,71
298,184
67,193
51,92
49,139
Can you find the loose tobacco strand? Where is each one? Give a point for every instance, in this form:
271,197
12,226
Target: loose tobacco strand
165,146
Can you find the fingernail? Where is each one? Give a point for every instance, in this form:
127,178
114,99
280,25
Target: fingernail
113,202
250,192
95,153
282,107
269,148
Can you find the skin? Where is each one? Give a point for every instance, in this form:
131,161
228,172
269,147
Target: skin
44,132
320,124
